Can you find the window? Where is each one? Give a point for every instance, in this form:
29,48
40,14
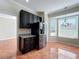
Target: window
67,27
53,27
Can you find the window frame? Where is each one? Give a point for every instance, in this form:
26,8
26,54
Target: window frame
58,26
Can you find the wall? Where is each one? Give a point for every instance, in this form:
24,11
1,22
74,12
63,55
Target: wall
46,25
73,42
8,26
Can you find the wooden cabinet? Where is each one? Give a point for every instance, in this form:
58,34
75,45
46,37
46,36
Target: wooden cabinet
42,41
35,19
32,43
26,44
24,19
31,20
27,18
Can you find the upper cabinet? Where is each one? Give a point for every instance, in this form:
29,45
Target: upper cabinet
26,19
31,18
35,19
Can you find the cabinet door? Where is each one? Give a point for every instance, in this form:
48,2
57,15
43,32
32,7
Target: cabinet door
31,43
35,19
19,43
27,44
42,41
31,18
24,19
38,19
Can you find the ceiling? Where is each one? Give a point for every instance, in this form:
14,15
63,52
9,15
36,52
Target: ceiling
47,5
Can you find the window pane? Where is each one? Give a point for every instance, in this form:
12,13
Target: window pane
68,27
53,27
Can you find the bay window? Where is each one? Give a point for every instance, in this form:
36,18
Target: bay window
66,27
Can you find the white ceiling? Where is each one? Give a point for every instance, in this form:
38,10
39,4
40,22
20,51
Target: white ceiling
47,5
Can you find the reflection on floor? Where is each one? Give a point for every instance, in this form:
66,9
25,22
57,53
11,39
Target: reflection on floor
63,54
52,51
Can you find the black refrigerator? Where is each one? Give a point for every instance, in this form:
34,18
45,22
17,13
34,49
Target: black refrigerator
40,39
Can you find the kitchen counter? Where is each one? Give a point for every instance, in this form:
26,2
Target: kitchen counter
26,35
